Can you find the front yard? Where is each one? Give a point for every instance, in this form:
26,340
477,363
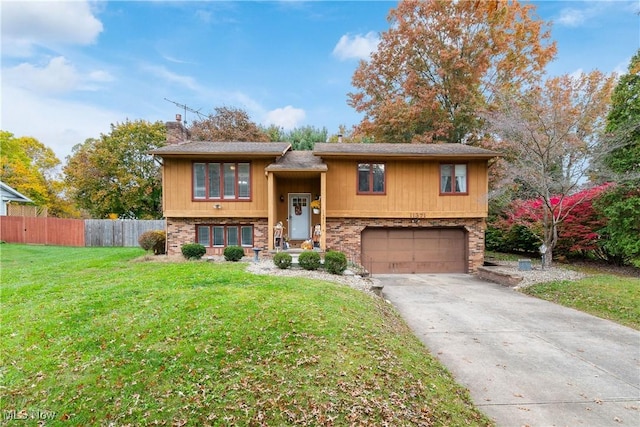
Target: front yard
95,336
607,296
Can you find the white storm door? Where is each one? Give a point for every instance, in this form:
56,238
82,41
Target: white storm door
299,216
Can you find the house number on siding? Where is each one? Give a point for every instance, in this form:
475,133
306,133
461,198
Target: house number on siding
417,215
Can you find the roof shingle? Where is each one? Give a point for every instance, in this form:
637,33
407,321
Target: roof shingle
223,148
401,150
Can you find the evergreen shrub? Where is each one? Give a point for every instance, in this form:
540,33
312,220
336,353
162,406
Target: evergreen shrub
193,250
282,260
233,253
309,260
335,262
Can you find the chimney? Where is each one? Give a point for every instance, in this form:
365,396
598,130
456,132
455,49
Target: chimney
177,133
339,137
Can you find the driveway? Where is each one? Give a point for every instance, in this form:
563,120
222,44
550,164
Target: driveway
526,362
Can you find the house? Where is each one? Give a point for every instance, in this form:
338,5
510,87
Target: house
403,208
7,195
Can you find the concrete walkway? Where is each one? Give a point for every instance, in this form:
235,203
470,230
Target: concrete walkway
526,362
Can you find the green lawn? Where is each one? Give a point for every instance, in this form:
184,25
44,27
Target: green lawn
97,337
604,295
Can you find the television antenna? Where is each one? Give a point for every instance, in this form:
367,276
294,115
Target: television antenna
186,108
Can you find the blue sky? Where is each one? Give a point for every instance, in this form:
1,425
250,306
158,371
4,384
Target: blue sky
70,69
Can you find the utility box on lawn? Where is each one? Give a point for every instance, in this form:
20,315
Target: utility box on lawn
524,264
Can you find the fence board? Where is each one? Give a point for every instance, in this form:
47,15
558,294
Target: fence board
65,232
12,229
107,232
43,231
75,232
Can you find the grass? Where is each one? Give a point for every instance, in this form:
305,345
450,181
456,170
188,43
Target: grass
607,296
94,336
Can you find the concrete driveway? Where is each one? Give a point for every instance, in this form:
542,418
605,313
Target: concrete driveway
526,362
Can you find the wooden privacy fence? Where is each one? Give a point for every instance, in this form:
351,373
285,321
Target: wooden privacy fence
75,232
43,231
105,232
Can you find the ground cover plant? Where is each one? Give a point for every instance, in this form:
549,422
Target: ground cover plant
604,295
98,336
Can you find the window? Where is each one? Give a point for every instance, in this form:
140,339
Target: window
453,179
216,181
220,236
371,178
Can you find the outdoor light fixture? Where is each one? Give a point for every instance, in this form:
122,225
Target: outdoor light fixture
282,198
217,206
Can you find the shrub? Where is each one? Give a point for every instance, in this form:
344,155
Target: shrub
193,250
233,253
282,260
153,240
335,262
309,260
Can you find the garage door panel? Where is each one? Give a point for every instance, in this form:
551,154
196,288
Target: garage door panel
420,250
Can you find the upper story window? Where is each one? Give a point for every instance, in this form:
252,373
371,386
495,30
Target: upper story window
371,178
227,181
453,179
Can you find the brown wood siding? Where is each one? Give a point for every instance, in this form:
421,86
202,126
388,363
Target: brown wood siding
177,193
423,250
413,188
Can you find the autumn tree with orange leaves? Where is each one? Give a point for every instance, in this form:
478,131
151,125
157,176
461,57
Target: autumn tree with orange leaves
441,62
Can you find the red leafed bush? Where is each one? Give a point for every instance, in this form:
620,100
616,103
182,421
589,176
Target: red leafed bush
579,227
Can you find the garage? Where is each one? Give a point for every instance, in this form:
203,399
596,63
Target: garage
414,250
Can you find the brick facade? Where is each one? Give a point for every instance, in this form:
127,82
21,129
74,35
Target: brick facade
344,234
183,230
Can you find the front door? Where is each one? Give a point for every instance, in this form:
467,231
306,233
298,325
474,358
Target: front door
299,216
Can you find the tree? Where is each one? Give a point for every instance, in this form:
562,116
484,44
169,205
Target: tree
441,62
115,173
621,164
579,232
551,134
305,137
623,126
32,168
227,124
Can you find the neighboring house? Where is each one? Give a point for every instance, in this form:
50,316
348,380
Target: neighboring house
403,208
7,195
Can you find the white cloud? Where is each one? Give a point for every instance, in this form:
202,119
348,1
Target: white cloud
571,17
56,123
287,117
161,72
46,23
358,46
57,76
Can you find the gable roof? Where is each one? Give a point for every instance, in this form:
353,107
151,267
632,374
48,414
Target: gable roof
223,149
386,150
9,194
298,161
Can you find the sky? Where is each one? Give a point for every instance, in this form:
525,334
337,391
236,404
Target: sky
70,69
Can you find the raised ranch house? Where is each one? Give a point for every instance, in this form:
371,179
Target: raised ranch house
393,208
